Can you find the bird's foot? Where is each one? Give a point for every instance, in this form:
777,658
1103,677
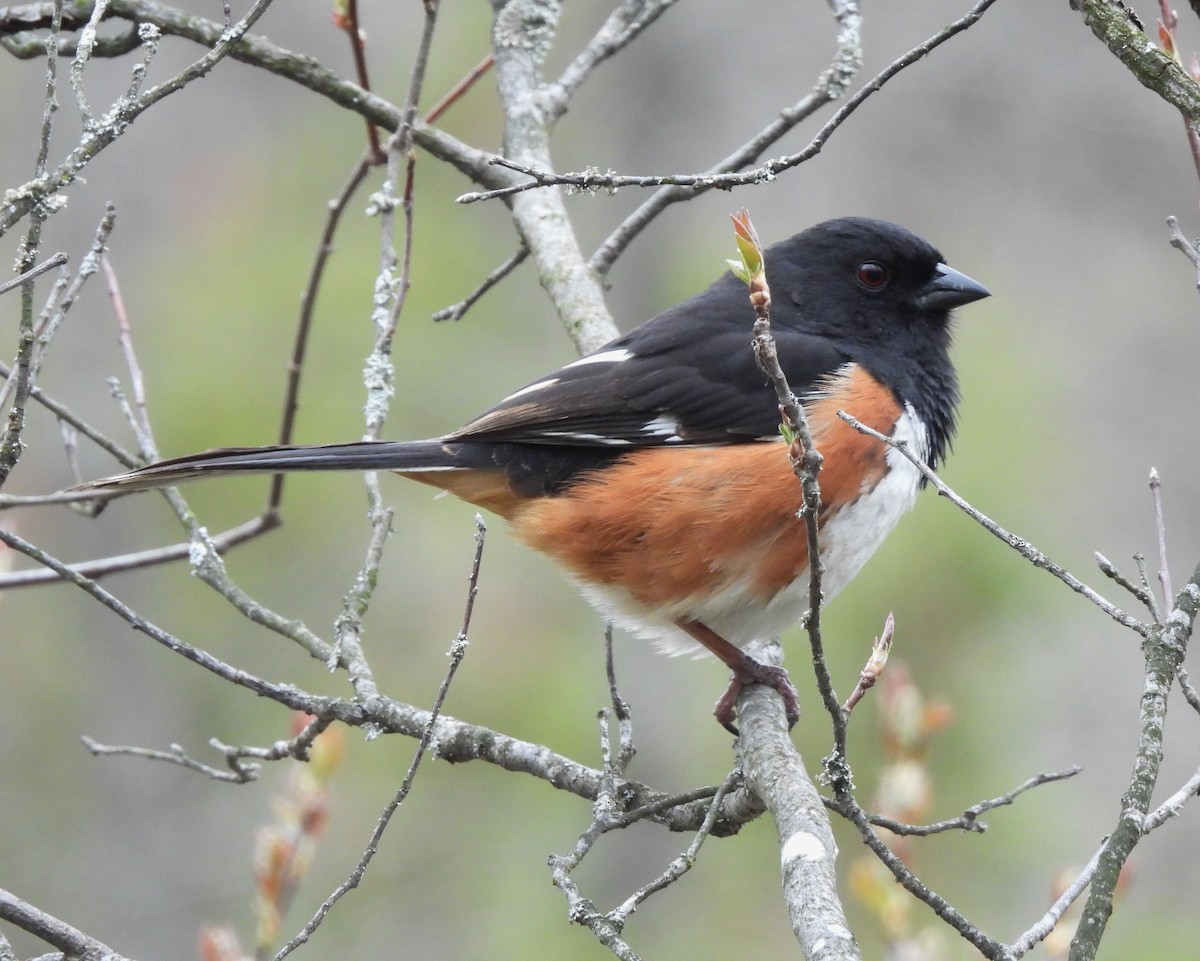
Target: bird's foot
750,671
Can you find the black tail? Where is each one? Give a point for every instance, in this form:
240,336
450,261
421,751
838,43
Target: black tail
414,456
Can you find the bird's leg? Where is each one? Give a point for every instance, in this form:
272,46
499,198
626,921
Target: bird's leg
746,670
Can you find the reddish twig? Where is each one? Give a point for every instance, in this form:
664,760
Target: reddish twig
349,23
454,93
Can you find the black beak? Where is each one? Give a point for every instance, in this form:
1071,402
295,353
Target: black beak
949,289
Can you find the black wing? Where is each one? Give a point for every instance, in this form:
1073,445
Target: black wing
686,377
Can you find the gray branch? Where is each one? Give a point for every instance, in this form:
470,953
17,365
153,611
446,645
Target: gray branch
775,771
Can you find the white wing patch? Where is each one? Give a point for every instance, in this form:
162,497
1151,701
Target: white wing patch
614,356
663,426
589,438
539,385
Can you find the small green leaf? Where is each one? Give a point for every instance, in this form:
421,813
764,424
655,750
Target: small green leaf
739,270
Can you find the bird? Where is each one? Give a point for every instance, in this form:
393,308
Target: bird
653,470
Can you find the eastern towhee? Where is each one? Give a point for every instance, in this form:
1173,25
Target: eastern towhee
653,469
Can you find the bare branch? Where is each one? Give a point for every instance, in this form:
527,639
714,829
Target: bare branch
174,755
624,25
65,414
20,202
459,310
1172,806
104,566
282,693
1154,68
541,175
1160,527
969,819
1018,544
1190,694
775,772
1164,649
1139,591
988,947
50,263
680,865
457,652
1041,930
1180,242
831,85
304,321
72,942
455,93
520,36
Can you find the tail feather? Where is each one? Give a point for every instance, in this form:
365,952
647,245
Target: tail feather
403,456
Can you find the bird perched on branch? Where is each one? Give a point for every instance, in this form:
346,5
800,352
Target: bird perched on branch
653,470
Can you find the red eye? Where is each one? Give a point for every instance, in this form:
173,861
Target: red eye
872,275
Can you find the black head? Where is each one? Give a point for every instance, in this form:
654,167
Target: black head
867,281
884,295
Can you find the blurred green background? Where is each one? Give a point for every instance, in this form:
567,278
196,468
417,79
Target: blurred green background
1022,149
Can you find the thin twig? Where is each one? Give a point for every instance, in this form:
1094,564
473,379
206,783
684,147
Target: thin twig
989,947
304,322
1164,650
358,48
1180,242
175,755
624,25
1190,694
458,651
1139,591
125,338
1018,544
284,694
1155,612
58,260
400,147
19,203
459,310
455,93
137,560
831,85
619,704
880,649
22,383
65,295
1041,930
607,927
592,180
298,747
72,942
806,463
1160,528
1173,805
208,565
680,865
62,412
